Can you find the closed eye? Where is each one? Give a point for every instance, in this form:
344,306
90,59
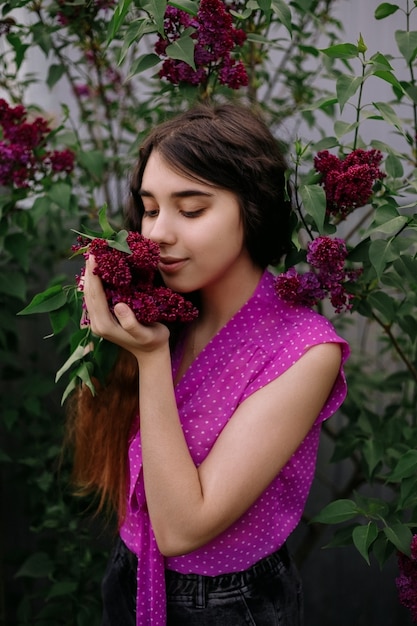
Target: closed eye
151,213
193,214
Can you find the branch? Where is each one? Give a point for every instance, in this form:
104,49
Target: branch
387,329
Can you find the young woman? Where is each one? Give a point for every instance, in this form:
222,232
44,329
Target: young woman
218,469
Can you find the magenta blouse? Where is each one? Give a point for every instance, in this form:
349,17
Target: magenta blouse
261,341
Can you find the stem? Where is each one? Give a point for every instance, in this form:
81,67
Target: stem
294,45
414,105
108,116
359,105
67,73
387,329
297,203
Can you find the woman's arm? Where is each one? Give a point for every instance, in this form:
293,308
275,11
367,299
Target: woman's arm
189,506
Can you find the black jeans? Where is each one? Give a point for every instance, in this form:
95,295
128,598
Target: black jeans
267,594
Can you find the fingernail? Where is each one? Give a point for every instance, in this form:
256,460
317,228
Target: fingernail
121,309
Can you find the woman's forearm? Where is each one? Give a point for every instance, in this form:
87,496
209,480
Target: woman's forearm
172,484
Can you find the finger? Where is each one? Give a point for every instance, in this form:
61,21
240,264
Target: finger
126,317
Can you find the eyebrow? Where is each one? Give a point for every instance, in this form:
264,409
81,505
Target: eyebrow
186,193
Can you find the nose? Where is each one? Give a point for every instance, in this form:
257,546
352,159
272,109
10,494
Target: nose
159,229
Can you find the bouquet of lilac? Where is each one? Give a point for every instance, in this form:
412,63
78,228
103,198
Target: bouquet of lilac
129,277
127,264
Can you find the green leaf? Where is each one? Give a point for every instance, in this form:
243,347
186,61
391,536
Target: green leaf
400,535
346,87
84,374
182,50
257,38
320,103
186,5
407,266
143,63
243,15
108,231
17,246
314,201
343,128
283,12
93,161
408,492
63,588
72,385
13,284
19,48
390,78
406,466
384,10
60,193
372,451
393,166
337,512
77,355
42,37
363,537
265,5
325,144
156,9
59,319
341,51
49,300
119,242
38,565
382,549
134,34
55,74
116,21
383,303
389,115
379,61
389,228
380,254
407,44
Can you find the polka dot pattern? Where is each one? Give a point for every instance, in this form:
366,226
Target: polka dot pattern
256,346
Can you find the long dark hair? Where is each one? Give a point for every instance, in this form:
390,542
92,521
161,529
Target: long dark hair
230,147
226,146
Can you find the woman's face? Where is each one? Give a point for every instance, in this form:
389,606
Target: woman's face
198,228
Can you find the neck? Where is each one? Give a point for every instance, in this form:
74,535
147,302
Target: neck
218,304
222,300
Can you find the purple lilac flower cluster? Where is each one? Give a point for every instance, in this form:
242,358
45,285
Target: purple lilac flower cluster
407,580
129,278
328,278
215,36
22,149
348,182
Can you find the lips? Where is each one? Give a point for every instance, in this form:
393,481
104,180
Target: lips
170,264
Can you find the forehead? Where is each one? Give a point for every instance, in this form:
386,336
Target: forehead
159,174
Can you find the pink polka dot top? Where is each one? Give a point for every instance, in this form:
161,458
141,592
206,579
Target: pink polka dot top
260,342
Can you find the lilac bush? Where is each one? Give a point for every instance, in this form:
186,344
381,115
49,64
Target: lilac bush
127,66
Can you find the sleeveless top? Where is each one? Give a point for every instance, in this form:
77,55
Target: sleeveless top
260,342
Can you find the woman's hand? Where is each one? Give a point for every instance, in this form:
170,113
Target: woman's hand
122,328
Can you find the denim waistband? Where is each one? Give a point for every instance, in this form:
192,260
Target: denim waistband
196,585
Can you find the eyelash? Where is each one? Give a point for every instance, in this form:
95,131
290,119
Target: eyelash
189,214
192,214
